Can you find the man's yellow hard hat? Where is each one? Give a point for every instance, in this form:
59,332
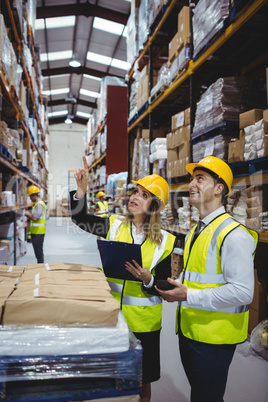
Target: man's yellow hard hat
33,190
100,194
216,166
156,185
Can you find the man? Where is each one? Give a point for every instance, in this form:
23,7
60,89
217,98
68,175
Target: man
102,206
216,285
37,222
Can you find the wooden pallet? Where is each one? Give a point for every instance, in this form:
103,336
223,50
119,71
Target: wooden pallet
158,93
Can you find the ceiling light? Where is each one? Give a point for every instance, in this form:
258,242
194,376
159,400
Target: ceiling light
55,22
56,91
75,62
109,26
89,93
67,54
68,120
83,114
91,77
58,113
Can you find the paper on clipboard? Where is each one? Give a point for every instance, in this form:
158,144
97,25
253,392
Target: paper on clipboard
114,255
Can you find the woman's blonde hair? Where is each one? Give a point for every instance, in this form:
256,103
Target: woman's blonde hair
151,225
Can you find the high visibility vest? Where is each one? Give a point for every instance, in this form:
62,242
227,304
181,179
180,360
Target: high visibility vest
39,227
142,311
103,206
202,270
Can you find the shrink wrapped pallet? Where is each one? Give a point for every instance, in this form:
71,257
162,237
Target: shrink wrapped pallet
143,23
132,36
5,59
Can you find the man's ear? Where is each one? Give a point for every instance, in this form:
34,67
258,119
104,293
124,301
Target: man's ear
219,188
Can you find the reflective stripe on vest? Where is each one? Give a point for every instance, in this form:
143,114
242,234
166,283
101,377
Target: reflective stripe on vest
143,312
202,270
39,227
103,206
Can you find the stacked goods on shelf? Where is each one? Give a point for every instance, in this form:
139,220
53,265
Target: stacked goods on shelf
133,96
176,262
132,36
158,156
143,91
143,23
5,59
184,214
105,82
208,20
256,142
178,144
236,205
140,158
217,146
162,82
7,239
73,322
154,8
257,205
178,49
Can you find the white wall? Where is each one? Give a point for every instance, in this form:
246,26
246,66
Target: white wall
66,149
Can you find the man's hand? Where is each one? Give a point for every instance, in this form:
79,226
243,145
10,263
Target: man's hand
179,293
81,177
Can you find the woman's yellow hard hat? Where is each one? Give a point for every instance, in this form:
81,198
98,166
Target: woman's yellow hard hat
156,185
215,165
33,190
100,194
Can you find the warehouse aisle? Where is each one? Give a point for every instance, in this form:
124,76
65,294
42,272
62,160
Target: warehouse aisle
65,242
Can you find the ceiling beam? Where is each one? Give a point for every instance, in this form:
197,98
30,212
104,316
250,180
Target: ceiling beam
48,72
86,9
82,102
59,120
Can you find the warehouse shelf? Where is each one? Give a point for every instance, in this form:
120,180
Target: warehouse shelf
97,161
4,210
100,128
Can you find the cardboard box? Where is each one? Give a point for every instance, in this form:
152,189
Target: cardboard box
251,117
53,305
11,271
236,151
184,150
265,121
169,170
258,306
187,116
173,48
177,120
169,140
172,155
184,26
182,135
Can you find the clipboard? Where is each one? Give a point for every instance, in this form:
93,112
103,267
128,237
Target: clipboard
114,255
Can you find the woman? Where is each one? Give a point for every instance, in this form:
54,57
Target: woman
139,300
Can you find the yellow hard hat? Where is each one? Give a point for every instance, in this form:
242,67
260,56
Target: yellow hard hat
156,185
215,165
33,190
100,194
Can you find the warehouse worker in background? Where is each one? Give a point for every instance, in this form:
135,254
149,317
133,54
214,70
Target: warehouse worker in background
102,206
37,222
139,300
216,285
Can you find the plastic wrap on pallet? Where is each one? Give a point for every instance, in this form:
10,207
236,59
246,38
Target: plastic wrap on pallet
5,59
16,71
132,36
216,146
117,365
31,11
208,19
105,82
158,144
221,101
180,63
17,5
154,8
27,57
144,150
143,22
133,109
162,79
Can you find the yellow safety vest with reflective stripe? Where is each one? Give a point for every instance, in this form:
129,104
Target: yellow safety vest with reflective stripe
39,227
202,270
142,311
103,206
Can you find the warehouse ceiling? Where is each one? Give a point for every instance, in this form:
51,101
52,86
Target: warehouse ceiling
80,30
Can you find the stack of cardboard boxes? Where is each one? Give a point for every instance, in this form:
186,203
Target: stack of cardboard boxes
178,144
143,92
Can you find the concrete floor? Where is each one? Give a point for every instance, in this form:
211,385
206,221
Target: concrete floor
248,375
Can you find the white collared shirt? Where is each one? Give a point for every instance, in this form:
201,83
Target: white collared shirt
237,268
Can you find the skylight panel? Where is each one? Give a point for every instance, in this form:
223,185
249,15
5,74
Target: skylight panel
109,26
56,76
91,77
82,114
98,58
55,22
66,54
56,91
59,113
123,65
89,93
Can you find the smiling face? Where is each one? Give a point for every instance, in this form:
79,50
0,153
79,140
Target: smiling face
139,201
203,189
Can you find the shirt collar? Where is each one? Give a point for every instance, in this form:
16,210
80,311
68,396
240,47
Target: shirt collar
213,215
